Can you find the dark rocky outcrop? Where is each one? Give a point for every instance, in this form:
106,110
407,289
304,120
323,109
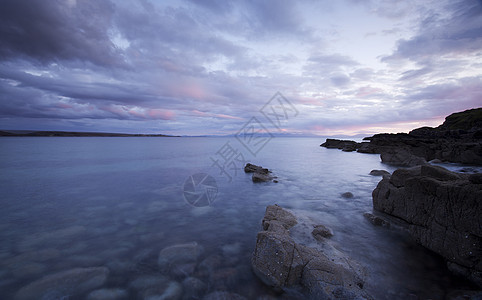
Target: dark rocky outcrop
280,262
379,172
442,210
458,139
344,145
260,174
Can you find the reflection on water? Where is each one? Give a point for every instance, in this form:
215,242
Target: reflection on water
117,202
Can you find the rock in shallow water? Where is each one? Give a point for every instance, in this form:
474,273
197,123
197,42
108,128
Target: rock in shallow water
443,212
64,284
180,254
379,172
321,231
280,262
108,294
375,220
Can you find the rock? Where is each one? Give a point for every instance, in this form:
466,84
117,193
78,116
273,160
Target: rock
258,177
108,294
377,221
145,282
193,288
180,254
401,157
65,284
260,174
277,216
250,168
52,238
321,231
28,269
475,178
170,291
345,145
280,262
183,270
442,210
224,279
379,172
347,195
220,295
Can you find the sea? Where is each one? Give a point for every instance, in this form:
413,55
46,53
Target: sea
118,202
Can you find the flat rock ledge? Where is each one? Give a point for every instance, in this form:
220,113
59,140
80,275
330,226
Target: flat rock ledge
260,174
281,263
442,211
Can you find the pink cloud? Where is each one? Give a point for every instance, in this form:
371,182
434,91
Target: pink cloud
161,114
367,91
222,116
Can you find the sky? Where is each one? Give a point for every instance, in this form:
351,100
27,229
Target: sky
208,67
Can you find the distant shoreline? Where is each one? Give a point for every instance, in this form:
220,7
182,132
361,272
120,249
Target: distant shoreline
23,133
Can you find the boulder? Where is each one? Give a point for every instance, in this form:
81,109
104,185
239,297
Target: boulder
250,168
259,177
442,210
65,284
321,231
281,263
347,195
260,174
344,145
379,172
401,157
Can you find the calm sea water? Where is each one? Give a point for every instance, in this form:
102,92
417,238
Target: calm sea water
117,202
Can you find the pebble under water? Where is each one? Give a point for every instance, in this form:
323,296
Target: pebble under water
105,218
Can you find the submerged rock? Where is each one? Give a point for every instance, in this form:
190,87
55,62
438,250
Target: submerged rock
64,284
108,294
280,262
221,295
443,212
180,254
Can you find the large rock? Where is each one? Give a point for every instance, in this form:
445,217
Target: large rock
458,139
280,262
344,145
71,283
260,174
443,211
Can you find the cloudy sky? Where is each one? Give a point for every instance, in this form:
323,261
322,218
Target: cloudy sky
207,67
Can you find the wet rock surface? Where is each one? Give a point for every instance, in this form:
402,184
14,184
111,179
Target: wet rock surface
260,174
280,262
442,210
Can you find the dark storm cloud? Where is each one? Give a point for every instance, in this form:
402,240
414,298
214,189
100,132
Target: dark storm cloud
51,30
459,33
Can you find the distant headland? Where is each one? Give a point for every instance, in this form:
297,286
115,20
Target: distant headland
75,134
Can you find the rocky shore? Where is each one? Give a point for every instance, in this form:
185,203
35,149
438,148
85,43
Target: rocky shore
321,273
458,139
442,211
